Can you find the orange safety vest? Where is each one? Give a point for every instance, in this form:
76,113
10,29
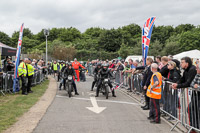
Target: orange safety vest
155,92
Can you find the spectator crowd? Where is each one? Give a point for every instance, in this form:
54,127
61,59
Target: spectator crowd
162,79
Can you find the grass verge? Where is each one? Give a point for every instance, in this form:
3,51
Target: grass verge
12,106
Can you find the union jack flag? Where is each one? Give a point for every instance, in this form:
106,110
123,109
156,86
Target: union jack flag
146,37
18,56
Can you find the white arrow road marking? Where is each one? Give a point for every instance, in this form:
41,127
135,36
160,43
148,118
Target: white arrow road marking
95,108
107,101
91,93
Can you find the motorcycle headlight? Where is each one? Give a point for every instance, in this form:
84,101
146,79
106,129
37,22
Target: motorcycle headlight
70,77
105,80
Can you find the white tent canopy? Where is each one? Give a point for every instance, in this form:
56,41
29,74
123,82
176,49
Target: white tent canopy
194,54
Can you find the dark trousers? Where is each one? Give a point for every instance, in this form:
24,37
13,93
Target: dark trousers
30,78
54,73
59,75
154,109
94,82
24,89
147,99
62,82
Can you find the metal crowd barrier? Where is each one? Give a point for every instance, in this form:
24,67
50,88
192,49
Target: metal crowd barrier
90,70
6,81
127,79
181,105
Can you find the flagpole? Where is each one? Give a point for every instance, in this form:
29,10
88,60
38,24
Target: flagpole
18,56
46,33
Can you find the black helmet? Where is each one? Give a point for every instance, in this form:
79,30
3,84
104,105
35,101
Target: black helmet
105,66
70,64
99,64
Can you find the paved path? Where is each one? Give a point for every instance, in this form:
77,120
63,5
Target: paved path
121,114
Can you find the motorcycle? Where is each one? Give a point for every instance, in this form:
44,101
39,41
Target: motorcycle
69,86
105,87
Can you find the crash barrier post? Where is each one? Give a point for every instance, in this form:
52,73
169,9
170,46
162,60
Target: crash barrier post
180,105
6,81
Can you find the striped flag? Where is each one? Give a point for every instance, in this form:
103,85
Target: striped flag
18,56
146,37
117,86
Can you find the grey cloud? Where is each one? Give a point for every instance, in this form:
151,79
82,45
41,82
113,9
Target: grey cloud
83,14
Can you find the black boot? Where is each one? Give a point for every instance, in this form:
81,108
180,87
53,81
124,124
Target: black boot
146,107
146,104
143,106
113,94
93,83
97,92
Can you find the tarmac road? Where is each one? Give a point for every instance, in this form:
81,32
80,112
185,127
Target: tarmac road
115,115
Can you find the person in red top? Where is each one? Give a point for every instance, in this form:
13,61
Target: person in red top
76,66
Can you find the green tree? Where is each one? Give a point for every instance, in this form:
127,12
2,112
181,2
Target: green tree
5,39
28,44
59,50
26,33
137,49
40,36
35,54
172,46
162,33
110,40
42,46
93,32
124,51
190,40
130,34
53,34
69,34
183,28
155,48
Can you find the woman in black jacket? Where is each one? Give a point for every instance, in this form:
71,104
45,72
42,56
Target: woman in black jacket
172,99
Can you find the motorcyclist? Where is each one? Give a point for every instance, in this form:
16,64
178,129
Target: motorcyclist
61,65
70,71
95,72
62,75
104,73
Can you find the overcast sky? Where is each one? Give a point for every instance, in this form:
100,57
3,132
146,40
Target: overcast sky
83,14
